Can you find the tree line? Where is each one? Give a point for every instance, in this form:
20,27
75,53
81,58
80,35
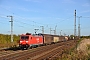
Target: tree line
5,38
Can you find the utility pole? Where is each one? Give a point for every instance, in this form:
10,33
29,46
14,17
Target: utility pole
55,29
60,32
11,27
79,26
75,25
54,32
42,29
50,30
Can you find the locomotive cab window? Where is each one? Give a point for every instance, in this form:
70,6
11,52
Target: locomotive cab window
31,37
24,37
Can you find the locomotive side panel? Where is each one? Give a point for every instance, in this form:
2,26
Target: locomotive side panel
36,40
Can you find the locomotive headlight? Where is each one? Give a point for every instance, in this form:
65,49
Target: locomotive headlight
20,41
26,41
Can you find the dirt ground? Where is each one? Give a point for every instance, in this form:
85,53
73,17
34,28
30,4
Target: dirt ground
84,46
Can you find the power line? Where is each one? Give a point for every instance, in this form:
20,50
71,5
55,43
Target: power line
37,22
19,16
18,22
7,10
8,24
86,27
86,17
27,23
23,23
64,19
3,17
30,19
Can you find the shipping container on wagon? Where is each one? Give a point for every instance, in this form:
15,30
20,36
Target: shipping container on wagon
66,38
61,38
55,39
48,39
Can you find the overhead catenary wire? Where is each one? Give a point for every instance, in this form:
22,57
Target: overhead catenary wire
36,24
62,20
15,20
18,16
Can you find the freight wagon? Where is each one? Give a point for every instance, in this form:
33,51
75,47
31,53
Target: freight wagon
31,40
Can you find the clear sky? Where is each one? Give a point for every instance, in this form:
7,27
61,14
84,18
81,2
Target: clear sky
31,14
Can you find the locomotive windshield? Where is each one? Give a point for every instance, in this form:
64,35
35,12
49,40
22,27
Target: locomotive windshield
24,37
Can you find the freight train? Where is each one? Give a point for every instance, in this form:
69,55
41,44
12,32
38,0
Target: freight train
31,40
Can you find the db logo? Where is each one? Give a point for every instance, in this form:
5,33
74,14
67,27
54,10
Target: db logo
37,40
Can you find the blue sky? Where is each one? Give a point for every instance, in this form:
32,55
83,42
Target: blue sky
31,14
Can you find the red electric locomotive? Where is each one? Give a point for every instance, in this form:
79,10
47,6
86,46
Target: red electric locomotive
28,40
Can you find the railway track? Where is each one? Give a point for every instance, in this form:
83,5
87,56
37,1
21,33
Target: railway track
44,52
54,53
